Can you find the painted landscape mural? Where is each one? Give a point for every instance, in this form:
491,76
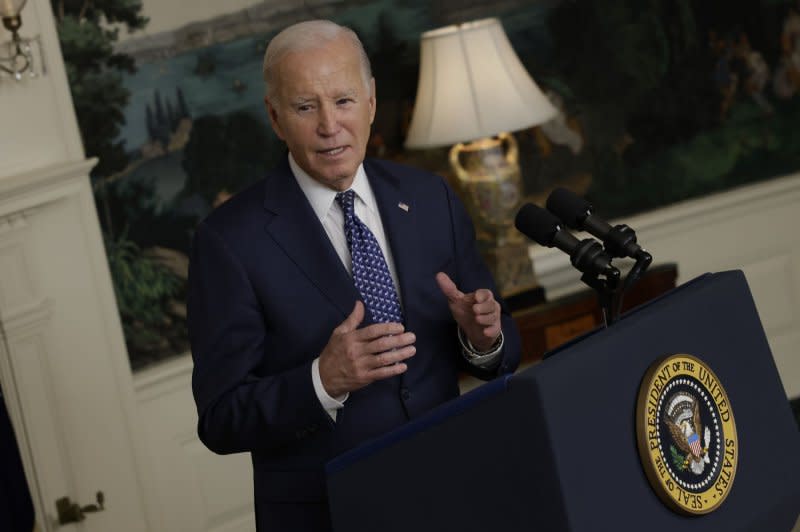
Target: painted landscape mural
660,100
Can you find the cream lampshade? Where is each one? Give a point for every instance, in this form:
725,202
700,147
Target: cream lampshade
472,85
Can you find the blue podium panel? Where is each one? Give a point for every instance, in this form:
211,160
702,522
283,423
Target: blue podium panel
468,465
590,389
555,447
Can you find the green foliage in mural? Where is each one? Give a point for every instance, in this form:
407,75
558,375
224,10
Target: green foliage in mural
713,160
674,98
225,153
144,289
87,31
616,57
147,291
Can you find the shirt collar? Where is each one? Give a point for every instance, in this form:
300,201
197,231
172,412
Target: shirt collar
321,197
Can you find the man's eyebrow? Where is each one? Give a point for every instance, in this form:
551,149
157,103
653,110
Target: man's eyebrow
302,99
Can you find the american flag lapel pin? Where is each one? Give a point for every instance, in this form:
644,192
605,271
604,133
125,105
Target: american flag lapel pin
403,206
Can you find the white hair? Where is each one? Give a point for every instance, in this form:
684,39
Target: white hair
309,35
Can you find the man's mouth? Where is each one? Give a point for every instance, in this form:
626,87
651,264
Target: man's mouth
332,152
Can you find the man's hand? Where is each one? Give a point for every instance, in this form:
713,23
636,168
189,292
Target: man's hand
356,357
477,313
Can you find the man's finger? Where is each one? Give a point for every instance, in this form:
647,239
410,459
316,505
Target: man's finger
385,372
379,330
486,319
392,357
482,295
448,287
493,331
389,342
487,307
355,318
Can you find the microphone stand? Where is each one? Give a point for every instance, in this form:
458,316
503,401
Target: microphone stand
643,261
606,293
610,292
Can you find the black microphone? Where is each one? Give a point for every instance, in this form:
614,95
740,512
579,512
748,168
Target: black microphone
586,255
576,212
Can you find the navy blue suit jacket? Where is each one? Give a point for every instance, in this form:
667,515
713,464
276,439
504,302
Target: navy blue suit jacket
266,290
16,506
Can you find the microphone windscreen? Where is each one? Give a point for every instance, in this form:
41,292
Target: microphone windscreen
537,224
571,208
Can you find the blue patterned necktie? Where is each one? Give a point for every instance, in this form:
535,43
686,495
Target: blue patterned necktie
370,272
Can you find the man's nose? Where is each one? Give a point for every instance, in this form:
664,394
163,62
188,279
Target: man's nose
328,122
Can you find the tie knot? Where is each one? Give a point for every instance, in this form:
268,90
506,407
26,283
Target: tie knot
346,201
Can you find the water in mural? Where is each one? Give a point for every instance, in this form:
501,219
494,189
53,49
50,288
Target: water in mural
660,100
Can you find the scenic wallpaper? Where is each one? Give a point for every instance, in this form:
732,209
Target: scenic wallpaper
660,100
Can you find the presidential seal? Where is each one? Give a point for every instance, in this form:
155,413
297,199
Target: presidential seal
686,434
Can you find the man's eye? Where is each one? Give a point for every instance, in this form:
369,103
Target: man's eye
303,108
344,101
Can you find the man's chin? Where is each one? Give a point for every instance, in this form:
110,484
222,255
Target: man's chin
336,180
339,176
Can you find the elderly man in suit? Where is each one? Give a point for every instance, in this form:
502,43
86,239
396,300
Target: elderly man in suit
337,298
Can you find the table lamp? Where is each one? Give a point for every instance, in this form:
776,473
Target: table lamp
472,92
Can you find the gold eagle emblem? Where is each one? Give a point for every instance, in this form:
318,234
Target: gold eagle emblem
686,428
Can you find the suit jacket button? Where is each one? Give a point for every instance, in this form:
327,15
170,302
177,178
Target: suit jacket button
404,393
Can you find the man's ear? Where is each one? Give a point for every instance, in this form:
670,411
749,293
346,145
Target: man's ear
373,101
273,118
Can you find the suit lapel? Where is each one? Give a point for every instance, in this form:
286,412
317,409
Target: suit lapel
297,230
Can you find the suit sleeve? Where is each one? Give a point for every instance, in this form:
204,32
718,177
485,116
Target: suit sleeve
238,409
473,274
